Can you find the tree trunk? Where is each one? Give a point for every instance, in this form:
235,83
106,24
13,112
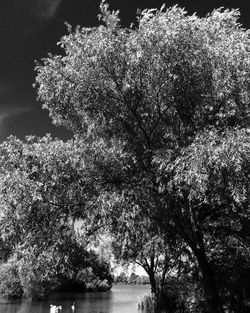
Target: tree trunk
209,283
152,283
196,243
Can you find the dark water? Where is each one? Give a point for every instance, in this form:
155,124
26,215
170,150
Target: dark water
120,299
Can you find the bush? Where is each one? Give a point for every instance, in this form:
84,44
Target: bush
10,284
93,282
147,304
36,273
98,285
172,301
33,286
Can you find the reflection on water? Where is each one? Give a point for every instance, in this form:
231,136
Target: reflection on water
121,299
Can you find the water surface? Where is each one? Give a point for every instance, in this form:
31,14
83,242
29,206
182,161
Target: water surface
120,299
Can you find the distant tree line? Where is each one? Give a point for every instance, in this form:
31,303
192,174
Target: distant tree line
131,279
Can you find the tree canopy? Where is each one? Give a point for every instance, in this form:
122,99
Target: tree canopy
167,77
163,107
46,186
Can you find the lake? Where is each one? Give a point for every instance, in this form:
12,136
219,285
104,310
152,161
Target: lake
120,299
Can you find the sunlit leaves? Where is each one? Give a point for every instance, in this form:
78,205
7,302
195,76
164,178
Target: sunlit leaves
215,166
165,105
171,75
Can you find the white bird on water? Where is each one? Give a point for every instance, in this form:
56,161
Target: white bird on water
73,306
55,309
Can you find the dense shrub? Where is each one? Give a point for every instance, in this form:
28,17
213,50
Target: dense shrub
10,284
147,304
35,274
92,281
35,283
98,285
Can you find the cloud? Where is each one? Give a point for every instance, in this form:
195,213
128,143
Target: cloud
6,112
23,16
11,121
45,9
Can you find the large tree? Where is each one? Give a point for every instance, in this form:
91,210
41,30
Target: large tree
168,89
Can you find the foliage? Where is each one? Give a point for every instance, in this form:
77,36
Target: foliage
40,182
147,304
10,284
132,279
137,240
35,274
173,93
5,250
46,186
195,75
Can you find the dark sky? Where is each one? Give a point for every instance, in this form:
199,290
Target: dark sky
29,29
